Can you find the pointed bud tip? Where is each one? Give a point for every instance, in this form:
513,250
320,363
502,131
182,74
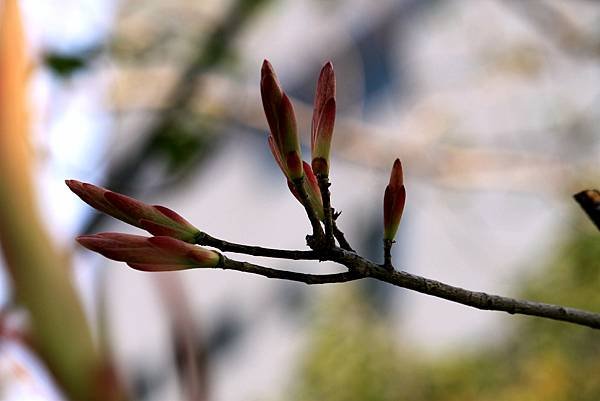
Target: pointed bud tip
87,241
82,238
328,72
397,174
266,68
327,78
74,185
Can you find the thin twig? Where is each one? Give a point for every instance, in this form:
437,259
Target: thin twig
326,197
360,267
317,238
479,300
339,235
230,264
226,246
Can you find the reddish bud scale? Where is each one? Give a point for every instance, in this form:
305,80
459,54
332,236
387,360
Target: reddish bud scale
294,164
271,94
150,254
323,120
157,220
393,201
324,135
313,192
325,90
283,138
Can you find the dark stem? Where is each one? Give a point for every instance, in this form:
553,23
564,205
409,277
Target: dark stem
230,264
316,241
387,254
589,200
479,300
225,246
360,267
326,197
339,235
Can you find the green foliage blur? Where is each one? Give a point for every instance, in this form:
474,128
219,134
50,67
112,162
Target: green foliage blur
353,356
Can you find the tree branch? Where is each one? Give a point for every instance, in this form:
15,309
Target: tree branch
339,235
360,267
479,300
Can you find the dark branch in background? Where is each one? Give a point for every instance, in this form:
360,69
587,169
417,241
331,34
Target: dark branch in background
554,24
360,267
589,200
214,50
190,358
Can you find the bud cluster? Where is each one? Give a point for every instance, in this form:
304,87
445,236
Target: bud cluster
172,247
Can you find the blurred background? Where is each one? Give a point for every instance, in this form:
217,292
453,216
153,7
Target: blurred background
492,106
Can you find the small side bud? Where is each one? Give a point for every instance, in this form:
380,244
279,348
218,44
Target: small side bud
322,139
393,202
